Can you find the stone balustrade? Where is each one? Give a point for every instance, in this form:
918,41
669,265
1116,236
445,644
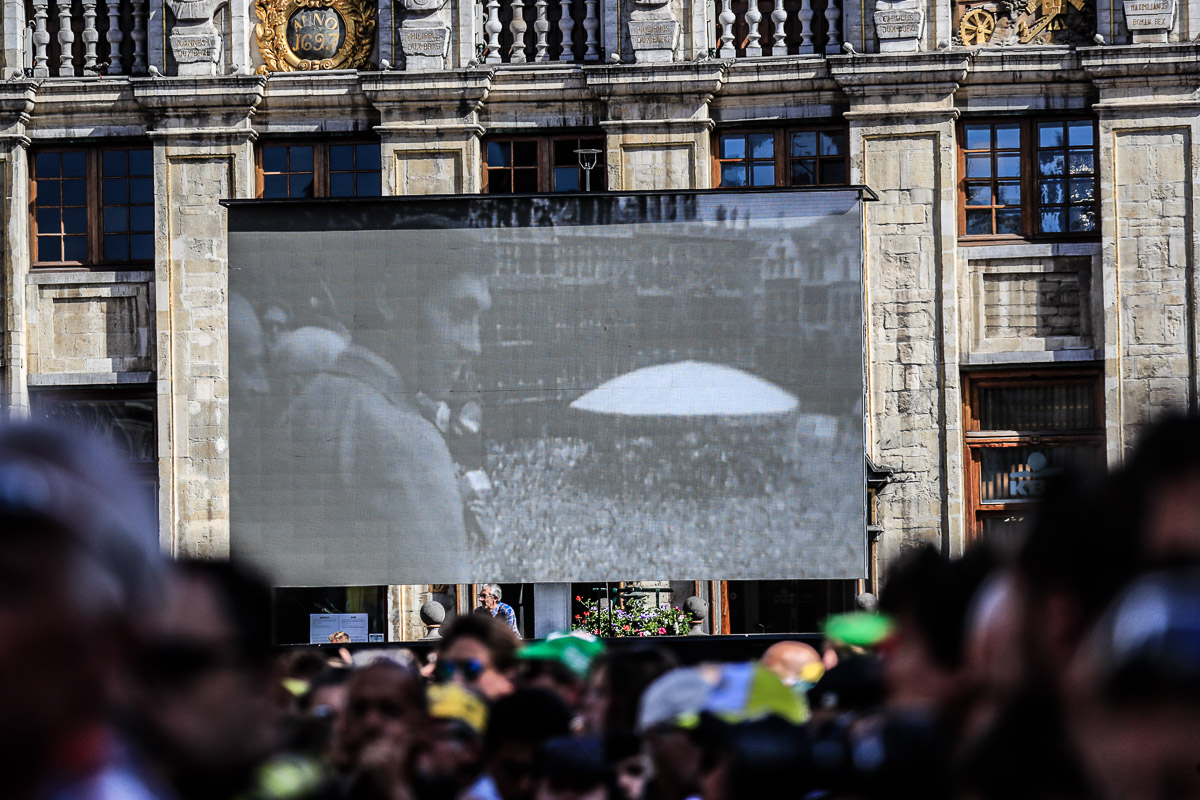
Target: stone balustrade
74,38
757,28
537,31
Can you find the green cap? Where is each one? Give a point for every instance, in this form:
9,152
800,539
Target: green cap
574,650
858,628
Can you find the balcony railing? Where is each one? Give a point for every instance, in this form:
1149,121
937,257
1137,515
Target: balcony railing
73,38
755,28
537,31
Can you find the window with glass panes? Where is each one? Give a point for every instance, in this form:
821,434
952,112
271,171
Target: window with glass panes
122,415
93,206
1022,430
319,169
524,165
805,157
1028,178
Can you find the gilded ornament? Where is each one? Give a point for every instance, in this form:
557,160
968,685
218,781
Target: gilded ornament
1016,22
308,35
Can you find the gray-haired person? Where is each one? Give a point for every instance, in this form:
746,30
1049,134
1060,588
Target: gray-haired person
79,560
489,601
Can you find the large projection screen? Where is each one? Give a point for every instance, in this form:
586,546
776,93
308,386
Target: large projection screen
653,385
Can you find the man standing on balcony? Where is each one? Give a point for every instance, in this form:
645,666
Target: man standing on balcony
489,601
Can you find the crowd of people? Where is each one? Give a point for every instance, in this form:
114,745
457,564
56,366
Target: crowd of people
1066,665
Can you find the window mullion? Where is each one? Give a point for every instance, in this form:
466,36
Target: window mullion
94,207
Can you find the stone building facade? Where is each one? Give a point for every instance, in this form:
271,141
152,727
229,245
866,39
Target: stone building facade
1030,274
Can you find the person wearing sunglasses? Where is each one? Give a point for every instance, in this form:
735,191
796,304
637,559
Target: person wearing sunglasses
478,651
489,601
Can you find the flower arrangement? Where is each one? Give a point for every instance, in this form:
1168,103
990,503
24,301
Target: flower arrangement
636,618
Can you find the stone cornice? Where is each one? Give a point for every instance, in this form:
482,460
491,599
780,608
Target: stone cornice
453,97
321,101
903,76
1145,78
679,91
199,106
80,107
16,106
911,88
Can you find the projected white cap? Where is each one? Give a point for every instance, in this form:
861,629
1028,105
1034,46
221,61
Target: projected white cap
687,389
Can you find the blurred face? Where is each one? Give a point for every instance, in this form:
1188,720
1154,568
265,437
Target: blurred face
632,775
559,790
913,678
446,338
511,767
469,663
206,708
596,701
381,704
54,660
676,761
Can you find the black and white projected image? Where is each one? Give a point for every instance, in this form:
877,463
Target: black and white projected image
548,389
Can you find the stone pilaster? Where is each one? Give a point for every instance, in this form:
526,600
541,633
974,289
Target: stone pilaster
1149,114
203,153
429,129
902,146
16,103
658,124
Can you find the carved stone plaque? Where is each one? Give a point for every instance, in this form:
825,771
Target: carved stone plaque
1149,20
314,34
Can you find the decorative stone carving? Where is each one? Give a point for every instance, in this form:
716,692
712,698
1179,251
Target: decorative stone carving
195,41
899,26
303,35
424,35
653,31
1012,22
697,609
433,614
1149,20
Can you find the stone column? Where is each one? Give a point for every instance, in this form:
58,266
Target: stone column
203,153
16,103
653,31
429,129
658,124
1149,136
902,146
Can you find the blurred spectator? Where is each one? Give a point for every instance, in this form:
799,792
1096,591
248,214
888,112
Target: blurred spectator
927,596
478,651
1135,697
559,664
519,725
615,686
209,701
386,716
572,769
798,665
451,760
78,562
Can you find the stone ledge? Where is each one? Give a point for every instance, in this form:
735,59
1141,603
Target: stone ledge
92,379
1028,250
1031,357
55,277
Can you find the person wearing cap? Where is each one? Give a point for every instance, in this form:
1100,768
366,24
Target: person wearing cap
367,481
449,760
559,663
80,561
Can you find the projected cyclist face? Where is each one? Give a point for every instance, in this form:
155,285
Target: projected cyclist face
437,351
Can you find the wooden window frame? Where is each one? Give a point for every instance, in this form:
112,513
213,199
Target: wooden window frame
322,168
94,209
1029,179
976,440
782,154
545,160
